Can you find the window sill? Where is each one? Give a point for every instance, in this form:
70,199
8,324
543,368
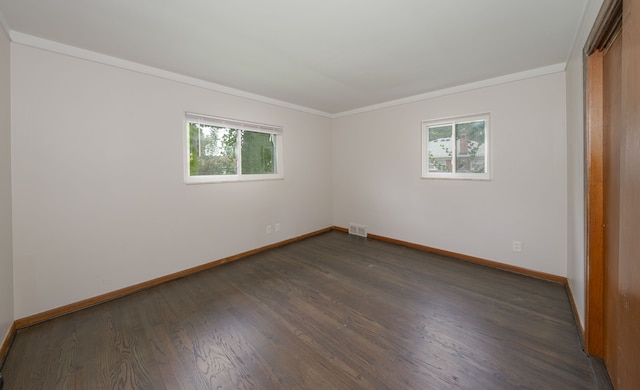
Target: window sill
233,179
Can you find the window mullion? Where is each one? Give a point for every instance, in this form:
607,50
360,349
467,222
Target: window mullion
454,148
199,141
239,152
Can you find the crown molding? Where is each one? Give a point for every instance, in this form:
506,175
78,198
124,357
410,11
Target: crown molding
56,47
4,26
72,51
460,88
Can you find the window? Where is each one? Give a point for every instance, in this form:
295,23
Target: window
466,158
220,149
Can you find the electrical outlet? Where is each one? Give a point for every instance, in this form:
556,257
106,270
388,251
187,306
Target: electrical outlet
517,246
276,227
268,229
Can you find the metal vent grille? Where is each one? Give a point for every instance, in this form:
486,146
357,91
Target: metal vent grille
357,230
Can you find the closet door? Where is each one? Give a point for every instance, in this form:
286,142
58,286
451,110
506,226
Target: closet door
613,194
612,105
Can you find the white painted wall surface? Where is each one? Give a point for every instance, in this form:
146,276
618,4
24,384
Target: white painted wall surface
576,257
99,199
377,157
6,256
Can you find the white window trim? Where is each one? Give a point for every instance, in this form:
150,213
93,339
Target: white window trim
234,124
455,175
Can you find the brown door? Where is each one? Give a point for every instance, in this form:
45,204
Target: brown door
627,347
612,95
613,178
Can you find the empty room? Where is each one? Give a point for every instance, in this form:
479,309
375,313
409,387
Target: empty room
319,195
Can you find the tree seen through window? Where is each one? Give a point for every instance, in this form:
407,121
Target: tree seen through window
213,150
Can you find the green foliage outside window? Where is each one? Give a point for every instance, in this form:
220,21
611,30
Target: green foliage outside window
258,153
213,150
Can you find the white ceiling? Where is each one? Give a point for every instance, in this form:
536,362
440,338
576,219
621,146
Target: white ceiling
331,56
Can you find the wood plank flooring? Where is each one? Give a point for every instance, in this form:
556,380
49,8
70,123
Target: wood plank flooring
330,312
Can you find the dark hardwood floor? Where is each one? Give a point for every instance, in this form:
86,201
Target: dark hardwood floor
330,312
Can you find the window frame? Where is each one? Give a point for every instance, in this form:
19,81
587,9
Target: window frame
237,125
428,124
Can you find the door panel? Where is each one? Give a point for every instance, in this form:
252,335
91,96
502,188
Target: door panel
628,374
621,201
612,96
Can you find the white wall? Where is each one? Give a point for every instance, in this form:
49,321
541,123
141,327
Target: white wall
99,199
6,257
377,159
575,162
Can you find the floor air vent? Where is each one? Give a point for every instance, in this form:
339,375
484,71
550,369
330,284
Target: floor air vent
358,230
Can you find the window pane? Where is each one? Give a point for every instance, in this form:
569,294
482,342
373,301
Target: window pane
258,153
470,142
212,150
440,148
